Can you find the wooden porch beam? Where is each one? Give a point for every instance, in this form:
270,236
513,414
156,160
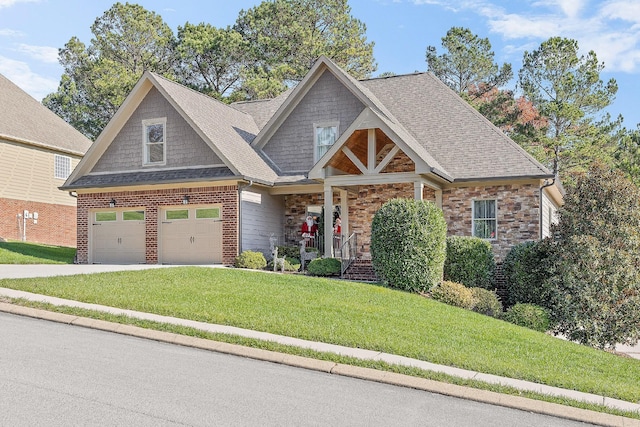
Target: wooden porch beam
356,161
390,155
371,153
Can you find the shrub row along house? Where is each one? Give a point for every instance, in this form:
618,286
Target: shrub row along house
38,151
179,177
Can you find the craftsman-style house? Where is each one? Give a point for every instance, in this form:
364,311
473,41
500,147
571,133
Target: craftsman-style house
179,177
38,151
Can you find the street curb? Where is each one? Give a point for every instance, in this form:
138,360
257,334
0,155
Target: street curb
483,396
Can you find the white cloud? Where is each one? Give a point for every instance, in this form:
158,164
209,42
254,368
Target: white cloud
41,53
32,83
6,32
624,10
9,3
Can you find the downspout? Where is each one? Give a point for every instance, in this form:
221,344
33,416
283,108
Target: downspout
241,188
547,183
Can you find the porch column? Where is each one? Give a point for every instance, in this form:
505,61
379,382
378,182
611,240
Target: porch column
439,198
344,212
328,220
418,188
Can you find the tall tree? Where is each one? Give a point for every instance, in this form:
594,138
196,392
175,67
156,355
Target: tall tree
467,66
213,58
567,90
287,36
128,40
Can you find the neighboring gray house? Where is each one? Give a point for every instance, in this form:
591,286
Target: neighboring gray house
179,177
38,151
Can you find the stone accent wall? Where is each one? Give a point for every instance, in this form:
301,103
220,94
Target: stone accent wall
518,213
56,224
151,200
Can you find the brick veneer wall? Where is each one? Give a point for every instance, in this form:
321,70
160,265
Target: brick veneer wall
56,224
151,201
518,210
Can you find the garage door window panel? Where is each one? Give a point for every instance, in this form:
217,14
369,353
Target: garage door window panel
133,215
208,213
106,216
176,214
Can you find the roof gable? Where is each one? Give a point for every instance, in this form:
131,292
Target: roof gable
25,120
225,130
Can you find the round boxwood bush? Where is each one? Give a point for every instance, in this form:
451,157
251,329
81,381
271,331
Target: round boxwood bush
324,267
453,293
530,316
408,244
251,259
526,271
469,261
486,302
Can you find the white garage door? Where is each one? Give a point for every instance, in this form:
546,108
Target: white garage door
118,237
191,235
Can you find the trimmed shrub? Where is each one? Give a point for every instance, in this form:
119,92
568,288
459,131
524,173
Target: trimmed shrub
530,316
324,267
486,302
408,244
469,261
526,273
455,294
251,259
289,251
288,265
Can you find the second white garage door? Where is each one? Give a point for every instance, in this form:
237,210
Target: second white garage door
191,235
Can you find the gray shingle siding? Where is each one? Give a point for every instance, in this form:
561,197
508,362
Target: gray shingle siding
291,147
184,147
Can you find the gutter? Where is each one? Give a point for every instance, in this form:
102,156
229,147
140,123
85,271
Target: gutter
547,183
241,188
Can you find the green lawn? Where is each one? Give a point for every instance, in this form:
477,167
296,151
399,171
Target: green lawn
15,252
355,315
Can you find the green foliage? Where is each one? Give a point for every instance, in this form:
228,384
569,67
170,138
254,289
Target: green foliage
526,271
596,260
408,244
289,265
286,37
468,65
289,251
455,294
528,315
324,267
469,261
486,302
128,40
567,90
251,259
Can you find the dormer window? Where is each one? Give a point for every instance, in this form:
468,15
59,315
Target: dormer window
154,141
324,136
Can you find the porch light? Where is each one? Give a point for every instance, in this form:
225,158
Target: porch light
185,200
112,203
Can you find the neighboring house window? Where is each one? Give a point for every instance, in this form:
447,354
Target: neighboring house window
485,221
61,166
154,138
324,135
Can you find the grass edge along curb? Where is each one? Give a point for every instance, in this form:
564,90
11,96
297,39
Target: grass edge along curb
379,366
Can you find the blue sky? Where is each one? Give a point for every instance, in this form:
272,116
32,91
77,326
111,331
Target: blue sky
31,31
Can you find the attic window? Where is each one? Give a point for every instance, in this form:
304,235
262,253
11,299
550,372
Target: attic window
154,141
61,166
324,137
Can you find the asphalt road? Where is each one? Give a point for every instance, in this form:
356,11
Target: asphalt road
60,375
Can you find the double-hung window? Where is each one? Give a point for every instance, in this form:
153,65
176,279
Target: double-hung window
61,166
154,141
485,220
324,137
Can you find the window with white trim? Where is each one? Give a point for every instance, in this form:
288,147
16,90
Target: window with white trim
61,166
154,141
324,135
485,220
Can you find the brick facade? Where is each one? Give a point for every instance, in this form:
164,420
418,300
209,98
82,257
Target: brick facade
518,210
151,201
56,224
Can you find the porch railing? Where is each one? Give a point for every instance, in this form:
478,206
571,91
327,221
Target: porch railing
347,252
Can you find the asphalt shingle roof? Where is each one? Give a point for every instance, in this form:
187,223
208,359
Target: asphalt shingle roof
151,177
24,119
461,140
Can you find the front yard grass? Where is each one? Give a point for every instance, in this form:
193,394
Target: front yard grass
16,252
356,315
